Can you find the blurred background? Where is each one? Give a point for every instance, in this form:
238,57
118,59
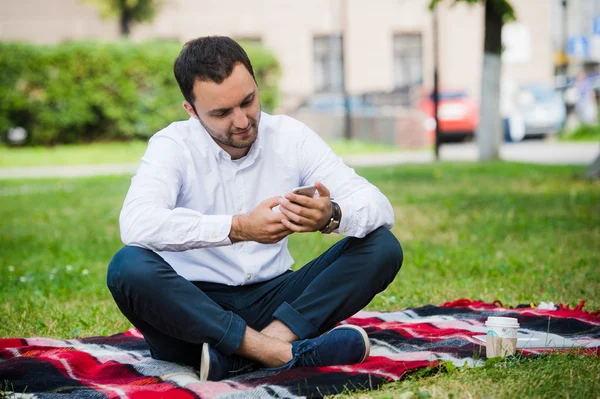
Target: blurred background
348,68
85,83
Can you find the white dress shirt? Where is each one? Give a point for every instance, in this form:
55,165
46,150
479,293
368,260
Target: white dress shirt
187,189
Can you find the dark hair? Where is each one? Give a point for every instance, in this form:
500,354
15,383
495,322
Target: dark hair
210,58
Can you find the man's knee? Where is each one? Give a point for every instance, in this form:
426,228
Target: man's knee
128,266
388,251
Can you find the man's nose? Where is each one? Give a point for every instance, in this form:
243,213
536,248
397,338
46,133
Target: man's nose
240,120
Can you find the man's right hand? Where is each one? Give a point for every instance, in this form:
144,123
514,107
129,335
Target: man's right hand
262,225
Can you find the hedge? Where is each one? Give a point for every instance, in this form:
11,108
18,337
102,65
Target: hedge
85,91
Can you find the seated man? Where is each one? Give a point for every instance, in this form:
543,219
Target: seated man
205,272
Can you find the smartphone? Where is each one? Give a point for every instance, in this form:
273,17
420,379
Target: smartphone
308,191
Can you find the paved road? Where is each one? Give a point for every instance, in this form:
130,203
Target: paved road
530,151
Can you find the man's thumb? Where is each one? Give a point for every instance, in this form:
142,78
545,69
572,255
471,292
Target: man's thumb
322,190
271,202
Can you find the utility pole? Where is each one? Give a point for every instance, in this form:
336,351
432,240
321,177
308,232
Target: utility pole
436,88
344,32
565,32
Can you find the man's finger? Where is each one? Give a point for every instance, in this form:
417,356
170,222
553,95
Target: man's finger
322,190
292,207
294,227
300,199
303,211
271,202
279,227
297,219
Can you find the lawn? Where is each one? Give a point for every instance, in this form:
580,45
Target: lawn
126,152
513,232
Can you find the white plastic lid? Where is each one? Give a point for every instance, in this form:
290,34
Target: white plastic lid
502,322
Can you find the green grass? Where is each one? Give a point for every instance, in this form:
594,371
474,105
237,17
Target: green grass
583,132
76,154
126,152
547,376
513,232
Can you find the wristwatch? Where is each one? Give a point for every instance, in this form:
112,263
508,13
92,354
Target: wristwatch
334,222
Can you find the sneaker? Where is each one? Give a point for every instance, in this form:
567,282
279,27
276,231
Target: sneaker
346,344
215,366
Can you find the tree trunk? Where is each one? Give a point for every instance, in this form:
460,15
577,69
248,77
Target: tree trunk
490,125
593,171
125,21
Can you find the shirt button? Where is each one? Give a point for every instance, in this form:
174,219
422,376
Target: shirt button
241,244
345,229
249,277
240,209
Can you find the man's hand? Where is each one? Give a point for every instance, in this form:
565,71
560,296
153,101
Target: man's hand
262,224
305,214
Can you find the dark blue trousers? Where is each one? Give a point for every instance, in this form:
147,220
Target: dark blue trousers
176,315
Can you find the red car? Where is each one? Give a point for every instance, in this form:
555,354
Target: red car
457,112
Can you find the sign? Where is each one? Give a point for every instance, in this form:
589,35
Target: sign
578,47
596,26
516,40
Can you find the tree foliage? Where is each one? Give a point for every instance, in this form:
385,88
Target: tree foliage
502,7
127,11
84,91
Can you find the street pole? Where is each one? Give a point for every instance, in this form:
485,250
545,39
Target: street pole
344,31
436,89
565,58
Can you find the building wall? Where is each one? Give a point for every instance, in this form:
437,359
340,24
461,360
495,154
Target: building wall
539,68
288,27
41,21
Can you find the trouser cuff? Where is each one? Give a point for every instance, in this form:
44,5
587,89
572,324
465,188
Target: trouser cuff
297,323
232,339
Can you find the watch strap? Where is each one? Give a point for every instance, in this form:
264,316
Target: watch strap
334,221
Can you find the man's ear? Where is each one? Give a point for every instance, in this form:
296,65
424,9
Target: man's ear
189,109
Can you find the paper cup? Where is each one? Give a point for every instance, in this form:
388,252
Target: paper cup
501,337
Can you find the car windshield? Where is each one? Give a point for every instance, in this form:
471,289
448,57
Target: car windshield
541,93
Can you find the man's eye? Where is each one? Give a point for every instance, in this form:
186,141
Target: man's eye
247,102
221,114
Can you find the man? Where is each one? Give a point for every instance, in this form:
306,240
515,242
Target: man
205,274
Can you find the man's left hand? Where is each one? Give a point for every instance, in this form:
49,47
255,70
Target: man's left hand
305,214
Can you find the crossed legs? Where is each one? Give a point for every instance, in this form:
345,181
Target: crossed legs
257,321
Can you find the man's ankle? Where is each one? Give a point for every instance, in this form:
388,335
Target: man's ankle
264,349
279,331
279,355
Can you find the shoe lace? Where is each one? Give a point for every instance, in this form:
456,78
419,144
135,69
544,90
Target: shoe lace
306,355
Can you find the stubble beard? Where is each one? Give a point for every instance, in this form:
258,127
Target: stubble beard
230,140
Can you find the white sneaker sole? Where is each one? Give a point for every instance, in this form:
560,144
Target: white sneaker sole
204,363
365,338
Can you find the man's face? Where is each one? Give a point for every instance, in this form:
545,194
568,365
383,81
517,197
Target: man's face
230,111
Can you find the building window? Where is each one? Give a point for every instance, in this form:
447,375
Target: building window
408,60
328,74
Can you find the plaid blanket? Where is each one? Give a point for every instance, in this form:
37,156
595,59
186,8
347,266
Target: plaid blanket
119,366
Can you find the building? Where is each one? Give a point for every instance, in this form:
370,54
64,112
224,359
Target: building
387,44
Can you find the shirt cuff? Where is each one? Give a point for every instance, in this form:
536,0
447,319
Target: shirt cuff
215,229
348,223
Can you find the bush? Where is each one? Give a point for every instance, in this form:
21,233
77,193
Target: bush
84,91
583,132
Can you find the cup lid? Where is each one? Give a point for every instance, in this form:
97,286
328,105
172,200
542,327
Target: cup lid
502,322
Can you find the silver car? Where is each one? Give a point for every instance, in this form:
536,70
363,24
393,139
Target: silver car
540,111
